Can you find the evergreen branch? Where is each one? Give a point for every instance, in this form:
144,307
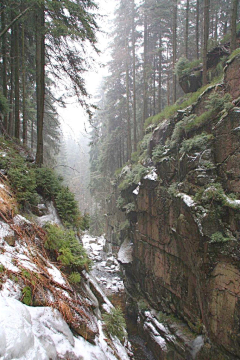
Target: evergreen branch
13,21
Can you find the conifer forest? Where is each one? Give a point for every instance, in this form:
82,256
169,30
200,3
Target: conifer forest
119,179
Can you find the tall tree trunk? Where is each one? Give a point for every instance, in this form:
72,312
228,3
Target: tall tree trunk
40,79
187,29
129,140
16,82
216,27
4,62
160,74
233,25
174,49
134,79
197,29
11,93
145,70
205,40
24,88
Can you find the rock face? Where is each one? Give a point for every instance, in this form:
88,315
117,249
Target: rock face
186,230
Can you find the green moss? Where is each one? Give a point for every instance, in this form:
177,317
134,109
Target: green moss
233,54
27,295
26,274
2,268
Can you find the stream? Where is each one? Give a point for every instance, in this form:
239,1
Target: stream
107,272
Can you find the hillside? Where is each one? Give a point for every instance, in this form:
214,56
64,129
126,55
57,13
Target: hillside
46,311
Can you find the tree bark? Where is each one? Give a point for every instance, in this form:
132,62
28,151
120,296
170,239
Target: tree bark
197,29
16,82
160,75
40,79
24,88
134,79
205,39
4,63
187,29
234,25
174,50
11,92
145,70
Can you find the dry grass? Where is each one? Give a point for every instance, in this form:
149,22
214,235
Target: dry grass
45,290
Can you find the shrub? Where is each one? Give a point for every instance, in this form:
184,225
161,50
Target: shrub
133,177
218,238
70,252
67,207
74,278
23,182
130,207
184,66
158,152
198,142
115,323
120,202
48,184
217,102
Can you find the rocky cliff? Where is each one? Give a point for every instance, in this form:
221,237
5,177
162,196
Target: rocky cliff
184,230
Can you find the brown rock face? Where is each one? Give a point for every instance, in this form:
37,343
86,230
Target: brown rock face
186,253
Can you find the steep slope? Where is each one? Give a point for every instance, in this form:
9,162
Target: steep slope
181,256
43,314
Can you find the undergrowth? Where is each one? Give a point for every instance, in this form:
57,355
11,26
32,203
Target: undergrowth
67,248
115,323
29,183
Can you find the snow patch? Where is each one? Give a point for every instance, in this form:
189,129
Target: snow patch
5,230
125,252
40,333
11,289
56,275
52,216
152,175
187,199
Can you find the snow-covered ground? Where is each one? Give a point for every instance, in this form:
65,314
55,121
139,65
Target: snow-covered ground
106,268
40,333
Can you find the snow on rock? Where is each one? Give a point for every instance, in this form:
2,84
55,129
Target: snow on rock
136,191
152,175
10,289
56,274
125,252
40,333
187,199
52,216
5,230
20,220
